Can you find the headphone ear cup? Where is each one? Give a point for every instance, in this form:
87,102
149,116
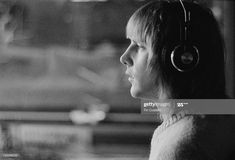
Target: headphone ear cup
185,57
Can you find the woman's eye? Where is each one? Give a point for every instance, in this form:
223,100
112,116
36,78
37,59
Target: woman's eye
136,46
141,46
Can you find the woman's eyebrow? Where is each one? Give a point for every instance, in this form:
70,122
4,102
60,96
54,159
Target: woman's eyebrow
133,40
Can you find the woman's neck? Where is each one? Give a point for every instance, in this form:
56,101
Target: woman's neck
166,112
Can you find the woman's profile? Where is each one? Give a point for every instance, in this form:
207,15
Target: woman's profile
176,51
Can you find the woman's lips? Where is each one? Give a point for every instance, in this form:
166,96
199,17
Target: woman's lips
131,79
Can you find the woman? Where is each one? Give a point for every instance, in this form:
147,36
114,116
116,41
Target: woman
177,52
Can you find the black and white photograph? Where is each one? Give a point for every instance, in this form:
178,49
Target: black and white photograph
117,80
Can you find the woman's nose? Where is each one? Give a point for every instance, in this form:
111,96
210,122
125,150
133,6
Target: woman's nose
126,58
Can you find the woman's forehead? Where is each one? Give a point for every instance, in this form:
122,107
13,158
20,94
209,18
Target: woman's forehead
134,32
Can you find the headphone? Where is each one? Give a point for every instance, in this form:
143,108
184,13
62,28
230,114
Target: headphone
185,56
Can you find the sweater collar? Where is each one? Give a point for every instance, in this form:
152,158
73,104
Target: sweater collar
171,120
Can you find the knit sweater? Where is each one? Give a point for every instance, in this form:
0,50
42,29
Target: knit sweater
190,137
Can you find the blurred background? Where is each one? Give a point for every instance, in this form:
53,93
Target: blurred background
63,92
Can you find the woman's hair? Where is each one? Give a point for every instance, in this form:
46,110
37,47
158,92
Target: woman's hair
158,23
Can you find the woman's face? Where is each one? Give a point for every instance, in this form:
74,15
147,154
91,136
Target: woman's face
136,59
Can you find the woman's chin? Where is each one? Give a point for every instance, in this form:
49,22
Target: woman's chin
135,93
143,93
138,93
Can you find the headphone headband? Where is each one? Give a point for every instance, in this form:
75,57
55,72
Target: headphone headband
185,56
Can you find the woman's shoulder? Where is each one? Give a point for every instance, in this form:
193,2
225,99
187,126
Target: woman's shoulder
211,137
199,137
167,140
